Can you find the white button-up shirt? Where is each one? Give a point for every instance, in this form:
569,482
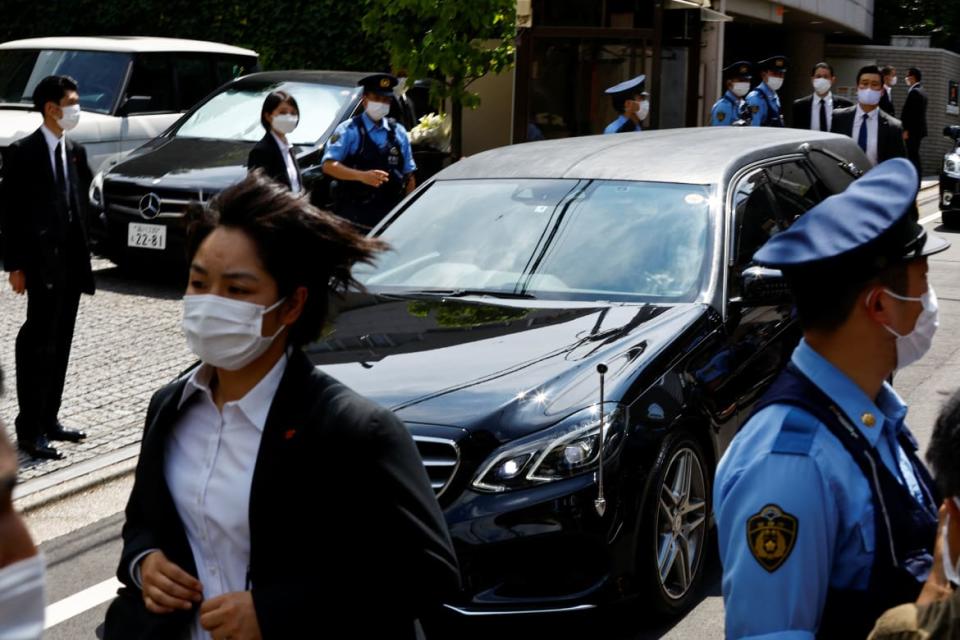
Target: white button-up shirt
209,463
288,162
815,110
52,142
873,122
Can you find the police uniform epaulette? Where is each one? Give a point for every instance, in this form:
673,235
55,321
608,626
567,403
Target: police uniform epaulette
796,433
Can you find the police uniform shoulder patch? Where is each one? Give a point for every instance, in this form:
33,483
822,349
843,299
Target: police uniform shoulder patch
771,534
755,108
334,138
721,116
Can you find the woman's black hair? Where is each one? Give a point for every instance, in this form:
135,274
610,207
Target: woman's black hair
273,100
298,244
943,454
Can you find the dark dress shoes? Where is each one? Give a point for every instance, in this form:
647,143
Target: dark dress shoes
66,435
39,448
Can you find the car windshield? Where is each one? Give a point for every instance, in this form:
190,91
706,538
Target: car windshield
556,239
99,74
234,113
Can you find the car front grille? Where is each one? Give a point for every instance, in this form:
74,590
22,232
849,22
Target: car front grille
126,199
441,458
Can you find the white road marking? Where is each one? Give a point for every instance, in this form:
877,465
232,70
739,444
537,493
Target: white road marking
79,602
930,218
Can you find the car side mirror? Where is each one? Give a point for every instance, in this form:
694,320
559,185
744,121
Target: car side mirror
135,104
761,286
952,131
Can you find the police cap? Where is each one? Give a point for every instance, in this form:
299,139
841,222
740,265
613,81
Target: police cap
741,69
381,84
633,85
773,63
859,232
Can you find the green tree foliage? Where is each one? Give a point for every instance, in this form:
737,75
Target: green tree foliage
453,41
288,34
935,18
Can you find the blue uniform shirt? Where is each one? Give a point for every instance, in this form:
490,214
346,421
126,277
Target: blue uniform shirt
726,110
824,490
345,141
614,127
757,103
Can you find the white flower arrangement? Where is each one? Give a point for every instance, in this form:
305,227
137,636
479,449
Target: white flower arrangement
433,130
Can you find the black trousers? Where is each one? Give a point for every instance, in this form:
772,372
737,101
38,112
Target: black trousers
42,352
913,153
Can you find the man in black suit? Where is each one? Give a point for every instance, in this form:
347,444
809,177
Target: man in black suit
878,134
889,74
915,117
46,177
815,111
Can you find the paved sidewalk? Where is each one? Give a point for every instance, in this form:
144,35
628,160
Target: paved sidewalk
126,346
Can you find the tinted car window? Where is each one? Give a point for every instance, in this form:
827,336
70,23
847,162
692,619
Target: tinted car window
229,68
100,74
195,79
560,239
152,77
234,113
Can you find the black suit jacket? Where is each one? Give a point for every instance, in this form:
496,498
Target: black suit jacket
889,132
345,531
801,110
914,116
38,238
268,156
886,104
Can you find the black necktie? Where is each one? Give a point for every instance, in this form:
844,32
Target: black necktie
823,115
862,136
61,177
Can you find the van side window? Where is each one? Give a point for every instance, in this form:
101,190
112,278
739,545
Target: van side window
195,79
153,78
228,68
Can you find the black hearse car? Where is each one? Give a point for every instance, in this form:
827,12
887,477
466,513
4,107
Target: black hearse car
139,204
515,277
950,179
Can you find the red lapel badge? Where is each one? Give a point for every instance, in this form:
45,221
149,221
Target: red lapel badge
289,434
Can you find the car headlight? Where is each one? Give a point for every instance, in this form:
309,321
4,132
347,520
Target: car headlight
96,190
567,449
951,165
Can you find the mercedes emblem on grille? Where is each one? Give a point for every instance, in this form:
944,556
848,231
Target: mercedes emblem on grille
150,206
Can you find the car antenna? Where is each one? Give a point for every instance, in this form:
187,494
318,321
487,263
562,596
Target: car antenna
600,504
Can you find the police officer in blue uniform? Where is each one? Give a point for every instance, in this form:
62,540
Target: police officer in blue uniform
631,102
826,517
729,109
369,157
763,102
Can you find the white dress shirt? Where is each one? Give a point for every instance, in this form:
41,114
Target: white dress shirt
815,110
208,465
52,142
873,122
288,161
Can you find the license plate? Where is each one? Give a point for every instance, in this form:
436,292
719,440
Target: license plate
147,236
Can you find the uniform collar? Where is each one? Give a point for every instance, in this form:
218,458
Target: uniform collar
255,405
765,88
369,123
870,116
888,412
732,96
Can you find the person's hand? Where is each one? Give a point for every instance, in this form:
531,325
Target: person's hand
230,617
374,177
906,135
18,282
937,587
167,587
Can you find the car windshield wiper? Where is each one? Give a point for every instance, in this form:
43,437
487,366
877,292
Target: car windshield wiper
466,293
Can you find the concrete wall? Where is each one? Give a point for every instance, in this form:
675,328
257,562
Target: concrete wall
856,15
488,126
938,67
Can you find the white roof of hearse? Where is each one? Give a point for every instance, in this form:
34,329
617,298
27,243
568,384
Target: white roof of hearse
127,44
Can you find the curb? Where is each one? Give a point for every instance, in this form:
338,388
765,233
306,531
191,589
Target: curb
75,479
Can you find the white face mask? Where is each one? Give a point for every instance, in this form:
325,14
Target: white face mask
912,346
377,110
70,117
644,110
951,570
774,82
822,85
869,96
226,333
893,82
285,122
22,599
740,89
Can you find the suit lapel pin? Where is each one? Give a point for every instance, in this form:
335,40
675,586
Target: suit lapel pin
289,433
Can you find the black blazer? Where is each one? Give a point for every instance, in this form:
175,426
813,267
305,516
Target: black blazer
345,531
889,132
268,156
886,104
914,116
801,109
38,238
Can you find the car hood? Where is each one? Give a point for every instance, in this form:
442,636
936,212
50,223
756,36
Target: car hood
186,162
16,122
509,367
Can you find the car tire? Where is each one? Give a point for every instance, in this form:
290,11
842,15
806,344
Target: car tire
674,535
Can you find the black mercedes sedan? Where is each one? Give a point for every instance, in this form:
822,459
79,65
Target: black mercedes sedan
139,205
536,293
